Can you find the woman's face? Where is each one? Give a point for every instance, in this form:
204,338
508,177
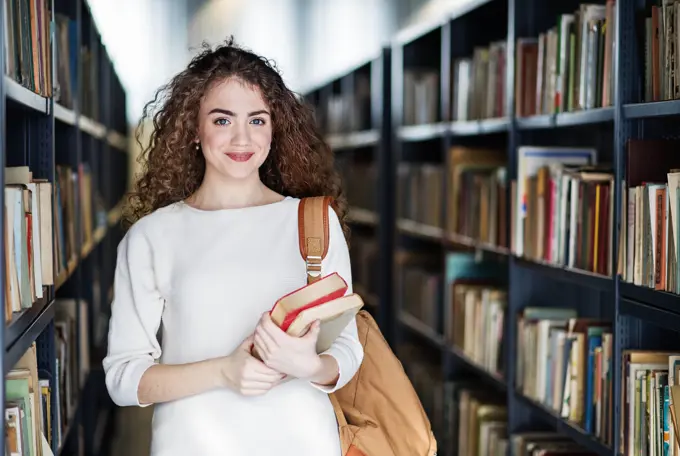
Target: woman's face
235,129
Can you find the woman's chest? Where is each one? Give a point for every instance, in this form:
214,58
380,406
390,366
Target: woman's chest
232,281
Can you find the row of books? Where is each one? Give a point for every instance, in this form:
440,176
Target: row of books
649,403
419,283
360,181
468,419
40,230
568,67
564,362
29,264
561,208
479,84
68,55
479,420
649,229
35,399
661,51
420,189
66,46
477,203
343,112
28,59
475,325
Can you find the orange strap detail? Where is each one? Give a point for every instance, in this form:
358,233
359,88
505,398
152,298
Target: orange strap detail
313,233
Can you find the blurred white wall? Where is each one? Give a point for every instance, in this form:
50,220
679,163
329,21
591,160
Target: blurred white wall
147,41
310,40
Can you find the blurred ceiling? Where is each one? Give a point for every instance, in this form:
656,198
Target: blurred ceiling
310,40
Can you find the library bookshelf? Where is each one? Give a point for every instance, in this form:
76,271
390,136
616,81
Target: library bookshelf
64,148
514,198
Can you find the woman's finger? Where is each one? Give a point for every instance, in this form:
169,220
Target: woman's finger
266,335
261,345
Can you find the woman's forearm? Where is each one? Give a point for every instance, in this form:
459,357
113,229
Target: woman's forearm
167,382
328,371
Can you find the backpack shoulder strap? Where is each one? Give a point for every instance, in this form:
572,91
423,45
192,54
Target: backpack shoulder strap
313,233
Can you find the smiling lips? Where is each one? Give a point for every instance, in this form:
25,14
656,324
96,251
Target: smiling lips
240,156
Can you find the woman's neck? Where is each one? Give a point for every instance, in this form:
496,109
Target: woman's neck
215,193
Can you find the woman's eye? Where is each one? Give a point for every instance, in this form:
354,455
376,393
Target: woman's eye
258,121
221,122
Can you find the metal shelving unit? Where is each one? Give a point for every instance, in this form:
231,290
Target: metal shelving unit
634,311
42,133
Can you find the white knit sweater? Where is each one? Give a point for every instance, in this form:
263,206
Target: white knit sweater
205,278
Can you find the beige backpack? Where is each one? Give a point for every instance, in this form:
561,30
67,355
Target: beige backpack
378,411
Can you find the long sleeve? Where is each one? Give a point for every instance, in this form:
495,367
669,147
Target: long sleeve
347,350
135,318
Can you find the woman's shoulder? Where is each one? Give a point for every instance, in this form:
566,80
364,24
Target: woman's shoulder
152,223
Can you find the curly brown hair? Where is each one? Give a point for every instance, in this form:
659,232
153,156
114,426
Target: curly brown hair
300,163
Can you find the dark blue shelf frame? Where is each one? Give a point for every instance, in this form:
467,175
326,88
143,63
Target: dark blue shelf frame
636,313
38,132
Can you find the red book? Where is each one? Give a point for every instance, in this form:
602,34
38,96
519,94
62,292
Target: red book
324,290
323,300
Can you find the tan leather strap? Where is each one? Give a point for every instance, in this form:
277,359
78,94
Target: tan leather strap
313,233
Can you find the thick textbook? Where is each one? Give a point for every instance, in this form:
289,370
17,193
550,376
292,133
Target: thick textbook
323,300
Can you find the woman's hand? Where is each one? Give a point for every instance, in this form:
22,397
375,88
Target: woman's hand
247,375
294,356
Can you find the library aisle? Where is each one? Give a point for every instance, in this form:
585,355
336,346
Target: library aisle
512,170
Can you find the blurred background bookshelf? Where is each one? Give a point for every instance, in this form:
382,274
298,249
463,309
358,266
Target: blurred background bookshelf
523,204
65,154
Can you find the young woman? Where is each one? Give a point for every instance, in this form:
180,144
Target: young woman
213,245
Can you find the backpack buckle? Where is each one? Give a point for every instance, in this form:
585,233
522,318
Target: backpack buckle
313,266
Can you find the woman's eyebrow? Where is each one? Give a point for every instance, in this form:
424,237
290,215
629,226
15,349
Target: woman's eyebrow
231,113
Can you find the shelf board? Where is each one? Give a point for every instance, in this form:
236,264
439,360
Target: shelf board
654,109
572,275
495,379
117,140
659,317
571,430
363,216
417,326
92,127
566,119
661,300
25,328
116,213
66,273
420,230
65,115
353,140
479,127
25,97
533,122
459,239
585,117
422,132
